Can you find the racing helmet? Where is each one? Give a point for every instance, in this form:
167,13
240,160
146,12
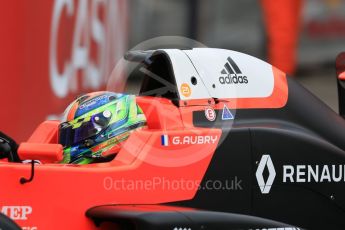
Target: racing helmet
95,126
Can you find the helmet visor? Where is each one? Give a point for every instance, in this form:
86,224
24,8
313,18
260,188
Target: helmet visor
71,133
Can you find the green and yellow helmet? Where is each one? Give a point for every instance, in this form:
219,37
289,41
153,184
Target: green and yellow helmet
95,126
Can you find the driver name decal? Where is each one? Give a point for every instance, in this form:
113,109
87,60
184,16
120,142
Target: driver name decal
167,140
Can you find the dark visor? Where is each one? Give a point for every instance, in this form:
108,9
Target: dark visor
69,136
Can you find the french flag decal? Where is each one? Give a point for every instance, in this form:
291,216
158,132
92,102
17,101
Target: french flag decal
165,140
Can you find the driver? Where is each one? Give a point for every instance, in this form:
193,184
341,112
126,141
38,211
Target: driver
95,126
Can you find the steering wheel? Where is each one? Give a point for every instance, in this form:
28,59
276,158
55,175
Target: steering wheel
8,148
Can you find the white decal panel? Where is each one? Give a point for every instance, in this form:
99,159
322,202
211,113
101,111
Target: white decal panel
230,74
184,71
220,74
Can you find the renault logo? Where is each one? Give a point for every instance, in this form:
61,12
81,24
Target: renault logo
265,161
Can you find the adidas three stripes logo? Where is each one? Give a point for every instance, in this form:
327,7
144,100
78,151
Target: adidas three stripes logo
234,74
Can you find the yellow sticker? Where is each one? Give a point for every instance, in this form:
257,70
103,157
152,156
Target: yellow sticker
186,90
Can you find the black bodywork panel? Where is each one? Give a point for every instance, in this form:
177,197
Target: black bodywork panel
305,133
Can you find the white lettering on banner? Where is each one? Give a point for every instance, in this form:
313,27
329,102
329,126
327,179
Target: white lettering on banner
59,81
17,212
106,35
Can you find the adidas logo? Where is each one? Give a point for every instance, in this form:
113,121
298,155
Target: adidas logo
234,74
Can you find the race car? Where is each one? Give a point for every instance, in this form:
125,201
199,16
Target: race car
231,143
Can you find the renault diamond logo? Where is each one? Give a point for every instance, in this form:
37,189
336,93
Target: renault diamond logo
265,187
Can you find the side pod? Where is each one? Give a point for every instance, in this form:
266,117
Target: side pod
157,217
